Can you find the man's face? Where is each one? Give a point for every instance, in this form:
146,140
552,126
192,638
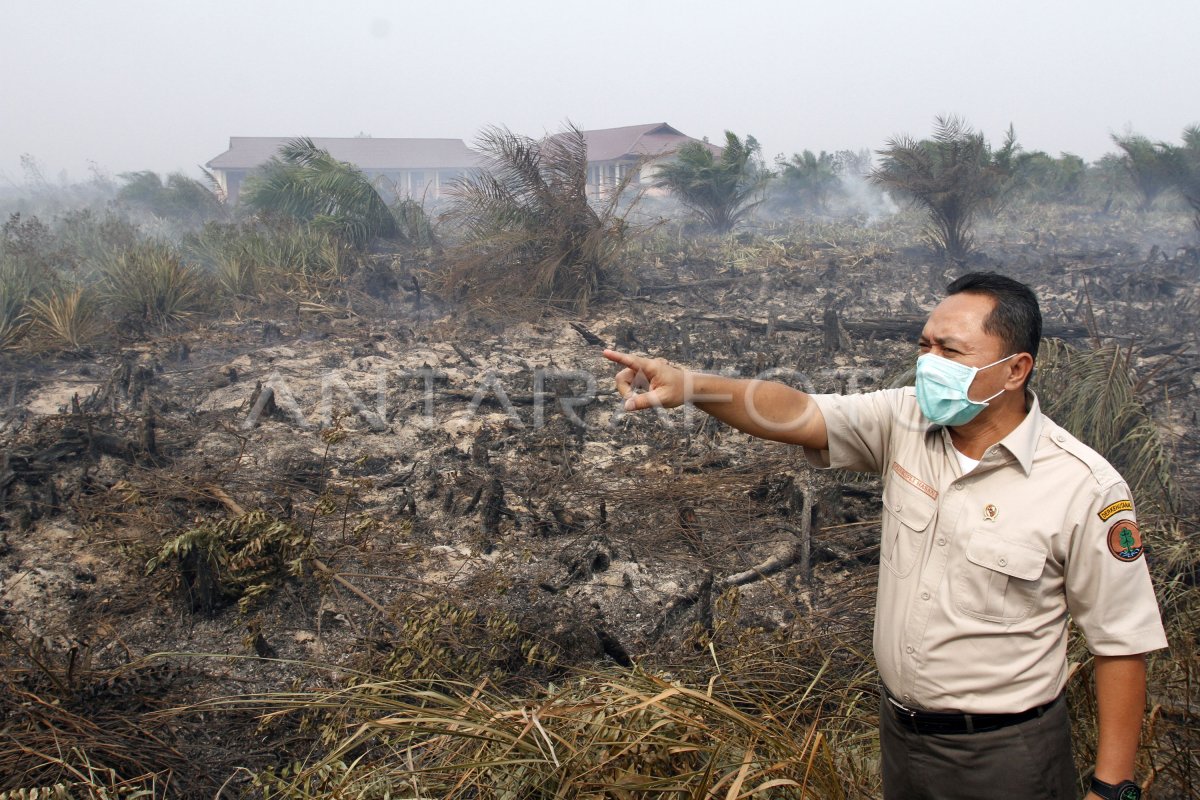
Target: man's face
955,331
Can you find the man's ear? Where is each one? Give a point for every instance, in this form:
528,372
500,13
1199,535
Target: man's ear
1020,369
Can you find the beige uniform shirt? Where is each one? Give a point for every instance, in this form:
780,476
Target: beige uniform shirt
979,571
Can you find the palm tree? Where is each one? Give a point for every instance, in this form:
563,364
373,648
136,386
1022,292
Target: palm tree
531,238
1041,177
309,185
722,191
953,176
1151,167
182,198
807,179
1188,178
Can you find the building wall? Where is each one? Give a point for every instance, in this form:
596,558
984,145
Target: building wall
604,176
418,184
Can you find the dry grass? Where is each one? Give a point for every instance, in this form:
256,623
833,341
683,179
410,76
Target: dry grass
597,735
65,723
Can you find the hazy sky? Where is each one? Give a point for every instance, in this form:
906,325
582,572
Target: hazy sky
162,84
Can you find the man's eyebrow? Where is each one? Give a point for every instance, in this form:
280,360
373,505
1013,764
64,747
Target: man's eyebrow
942,340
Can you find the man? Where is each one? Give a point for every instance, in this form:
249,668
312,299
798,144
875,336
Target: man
997,523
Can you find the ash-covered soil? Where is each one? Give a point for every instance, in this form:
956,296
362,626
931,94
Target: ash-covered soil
489,467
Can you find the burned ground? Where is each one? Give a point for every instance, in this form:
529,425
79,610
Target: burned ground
440,496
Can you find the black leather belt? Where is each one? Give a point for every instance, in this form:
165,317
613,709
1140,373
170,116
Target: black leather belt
948,723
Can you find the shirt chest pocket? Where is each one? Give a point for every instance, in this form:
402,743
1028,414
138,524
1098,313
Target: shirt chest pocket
999,579
907,522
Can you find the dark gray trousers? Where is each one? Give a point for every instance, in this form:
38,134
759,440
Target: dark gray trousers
1030,760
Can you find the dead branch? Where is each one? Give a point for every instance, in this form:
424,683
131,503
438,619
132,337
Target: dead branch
799,550
588,336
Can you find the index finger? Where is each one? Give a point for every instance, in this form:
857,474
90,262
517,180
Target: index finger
625,359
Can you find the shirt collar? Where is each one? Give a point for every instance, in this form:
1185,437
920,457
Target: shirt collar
1022,440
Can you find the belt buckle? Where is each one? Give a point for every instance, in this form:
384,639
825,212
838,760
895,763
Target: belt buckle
912,715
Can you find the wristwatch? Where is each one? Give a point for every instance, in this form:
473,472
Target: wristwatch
1125,790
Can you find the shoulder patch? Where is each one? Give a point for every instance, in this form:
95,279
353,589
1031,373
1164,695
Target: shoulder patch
1125,540
1110,510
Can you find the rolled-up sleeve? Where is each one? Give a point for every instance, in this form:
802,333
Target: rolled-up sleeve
859,427
1108,587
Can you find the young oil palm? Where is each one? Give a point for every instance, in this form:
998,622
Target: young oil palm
953,175
1152,168
721,190
307,184
181,198
531,238
1188,178
807,180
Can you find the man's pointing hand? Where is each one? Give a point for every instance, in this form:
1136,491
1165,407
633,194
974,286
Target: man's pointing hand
660,384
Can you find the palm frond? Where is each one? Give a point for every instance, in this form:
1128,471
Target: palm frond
1093,394
69,317
953,175
723,190
18,286
1152,168
529,229
149,285
309,185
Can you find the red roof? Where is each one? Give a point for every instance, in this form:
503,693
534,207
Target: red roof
607,144
636,141
247,152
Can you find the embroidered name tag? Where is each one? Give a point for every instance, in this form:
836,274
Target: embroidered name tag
1114,509
914,480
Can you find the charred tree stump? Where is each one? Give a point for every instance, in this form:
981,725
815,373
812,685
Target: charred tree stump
836,338
588,336
199,586
612,646
689,524
701,593
417,291
262,404
937,278
147,440
493,510
7,476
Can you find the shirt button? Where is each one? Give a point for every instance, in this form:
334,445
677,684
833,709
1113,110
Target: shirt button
959,486
899,505
942,542
908,649
1060,437
1003,562
924,595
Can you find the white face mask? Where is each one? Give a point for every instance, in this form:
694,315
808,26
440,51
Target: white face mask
942,387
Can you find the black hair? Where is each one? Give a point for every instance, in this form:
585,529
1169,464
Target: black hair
1016,317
